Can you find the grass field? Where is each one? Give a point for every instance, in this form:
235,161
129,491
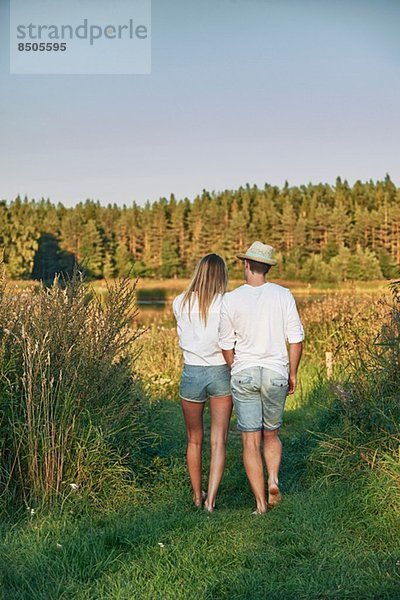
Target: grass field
336,534
322,542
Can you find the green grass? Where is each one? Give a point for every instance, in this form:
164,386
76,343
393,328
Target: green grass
336,535
322,542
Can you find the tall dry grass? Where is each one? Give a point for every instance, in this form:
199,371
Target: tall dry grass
66,389
360,431
160,363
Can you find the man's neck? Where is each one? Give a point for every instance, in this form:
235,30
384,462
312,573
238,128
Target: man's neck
255,280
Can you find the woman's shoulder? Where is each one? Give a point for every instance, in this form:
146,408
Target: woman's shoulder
177,301
178,298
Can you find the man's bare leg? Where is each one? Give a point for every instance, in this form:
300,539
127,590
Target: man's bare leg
273,456
253,464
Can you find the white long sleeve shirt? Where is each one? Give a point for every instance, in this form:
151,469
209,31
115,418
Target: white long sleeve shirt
258,322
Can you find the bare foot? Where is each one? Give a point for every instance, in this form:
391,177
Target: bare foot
274,495
259,511
198,502
207,507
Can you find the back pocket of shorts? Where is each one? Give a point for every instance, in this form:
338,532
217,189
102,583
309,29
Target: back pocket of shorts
281,382
246,383
245,380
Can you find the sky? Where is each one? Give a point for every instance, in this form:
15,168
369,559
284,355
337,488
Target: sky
240,91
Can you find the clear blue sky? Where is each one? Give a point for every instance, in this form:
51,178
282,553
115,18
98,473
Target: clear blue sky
241,91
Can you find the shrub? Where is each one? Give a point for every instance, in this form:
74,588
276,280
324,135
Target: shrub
66,388
361,428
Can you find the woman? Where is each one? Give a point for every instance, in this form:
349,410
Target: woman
205,373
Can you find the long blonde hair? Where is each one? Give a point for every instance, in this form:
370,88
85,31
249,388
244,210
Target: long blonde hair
210,278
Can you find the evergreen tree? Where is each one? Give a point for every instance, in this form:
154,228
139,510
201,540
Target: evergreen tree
319,231
124,260
109,267
91,249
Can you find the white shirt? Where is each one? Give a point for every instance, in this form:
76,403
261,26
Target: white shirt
198,341
257,322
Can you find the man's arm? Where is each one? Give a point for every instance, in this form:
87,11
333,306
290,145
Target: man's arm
295,336
295,352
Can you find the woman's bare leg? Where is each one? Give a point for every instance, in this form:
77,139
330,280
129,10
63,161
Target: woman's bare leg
220,410
193,414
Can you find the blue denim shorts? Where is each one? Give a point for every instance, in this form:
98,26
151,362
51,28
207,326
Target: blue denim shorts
199,383
259,396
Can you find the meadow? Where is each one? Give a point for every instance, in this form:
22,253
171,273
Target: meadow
94,492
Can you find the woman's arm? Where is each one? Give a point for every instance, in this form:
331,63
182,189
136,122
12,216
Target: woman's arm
229,356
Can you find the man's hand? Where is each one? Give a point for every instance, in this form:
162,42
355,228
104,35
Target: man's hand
292,384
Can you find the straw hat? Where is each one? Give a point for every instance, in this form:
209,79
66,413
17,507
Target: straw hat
260,253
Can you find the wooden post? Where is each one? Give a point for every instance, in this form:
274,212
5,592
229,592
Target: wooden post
329,364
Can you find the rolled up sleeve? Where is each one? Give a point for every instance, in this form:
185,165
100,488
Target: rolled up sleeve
226,329
294,328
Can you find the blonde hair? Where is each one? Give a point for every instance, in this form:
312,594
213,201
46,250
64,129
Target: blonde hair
210,278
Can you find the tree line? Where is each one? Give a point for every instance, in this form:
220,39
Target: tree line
321,233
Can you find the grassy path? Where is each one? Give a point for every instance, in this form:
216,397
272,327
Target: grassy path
317,545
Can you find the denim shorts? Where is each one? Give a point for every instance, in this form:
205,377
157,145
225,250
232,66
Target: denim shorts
259,396
199,383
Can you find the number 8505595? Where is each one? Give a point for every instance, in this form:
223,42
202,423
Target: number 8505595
42,47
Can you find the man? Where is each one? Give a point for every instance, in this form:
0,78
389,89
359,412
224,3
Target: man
257,321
